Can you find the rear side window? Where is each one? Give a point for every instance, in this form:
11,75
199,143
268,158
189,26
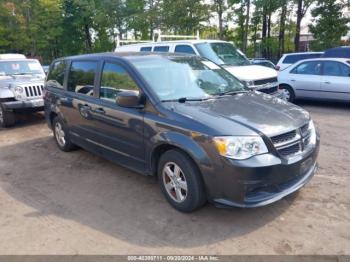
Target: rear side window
146,49
81,77
291,59
308,68
184,49
161,49
335,69
56,74
114,80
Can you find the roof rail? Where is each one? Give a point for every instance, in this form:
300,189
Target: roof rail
161,36
157,37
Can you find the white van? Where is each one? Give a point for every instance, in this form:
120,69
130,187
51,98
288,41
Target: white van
223,53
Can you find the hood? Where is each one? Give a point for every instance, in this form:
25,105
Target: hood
251,72
6,81
245,114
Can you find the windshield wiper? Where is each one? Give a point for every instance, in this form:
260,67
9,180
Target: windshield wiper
229,93
185,99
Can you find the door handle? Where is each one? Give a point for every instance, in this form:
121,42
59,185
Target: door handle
293,80
100,111
327,82
86,107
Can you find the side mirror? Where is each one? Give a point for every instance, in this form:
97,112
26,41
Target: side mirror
130,99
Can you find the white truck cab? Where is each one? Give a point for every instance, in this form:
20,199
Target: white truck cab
256,77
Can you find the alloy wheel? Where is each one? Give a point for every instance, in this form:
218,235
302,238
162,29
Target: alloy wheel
174,181
60,135
1,115
286,94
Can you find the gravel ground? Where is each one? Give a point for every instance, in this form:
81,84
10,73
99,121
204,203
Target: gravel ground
76,203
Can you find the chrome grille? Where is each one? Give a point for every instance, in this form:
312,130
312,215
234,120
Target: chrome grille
33,90
292,143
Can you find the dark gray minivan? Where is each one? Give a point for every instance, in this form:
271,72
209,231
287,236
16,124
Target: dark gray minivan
185,120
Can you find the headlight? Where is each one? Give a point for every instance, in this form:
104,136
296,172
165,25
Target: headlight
240,147
312,131
19,89
249,83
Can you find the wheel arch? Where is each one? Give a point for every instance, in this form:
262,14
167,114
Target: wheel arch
183,144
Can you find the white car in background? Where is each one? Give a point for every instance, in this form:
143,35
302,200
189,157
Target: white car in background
322,78
291,58
256,77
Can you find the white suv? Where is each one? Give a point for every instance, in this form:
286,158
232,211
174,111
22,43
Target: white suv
220,52
291,58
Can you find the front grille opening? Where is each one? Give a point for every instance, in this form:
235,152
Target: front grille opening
291,150
284,137
265,81
34,91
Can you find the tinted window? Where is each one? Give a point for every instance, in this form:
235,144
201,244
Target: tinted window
81,77
161,49
146,49
184,49
308,68
335,69
56,74
343,52
291,59
114,80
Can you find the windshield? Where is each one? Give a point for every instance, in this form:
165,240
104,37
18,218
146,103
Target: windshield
173,78
222,53
30,67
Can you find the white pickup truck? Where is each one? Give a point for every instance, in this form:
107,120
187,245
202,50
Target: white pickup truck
256,77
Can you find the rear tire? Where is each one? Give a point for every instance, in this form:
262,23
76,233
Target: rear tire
180,181
288,93
7,117
61,135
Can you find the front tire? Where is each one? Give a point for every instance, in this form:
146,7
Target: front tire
7,118
180,181
288,93
61,135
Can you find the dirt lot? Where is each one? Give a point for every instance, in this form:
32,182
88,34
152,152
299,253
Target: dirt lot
76,203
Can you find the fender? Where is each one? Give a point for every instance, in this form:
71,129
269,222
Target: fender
185,143
5,92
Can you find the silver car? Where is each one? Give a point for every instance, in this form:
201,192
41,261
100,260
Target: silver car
21,87
321,78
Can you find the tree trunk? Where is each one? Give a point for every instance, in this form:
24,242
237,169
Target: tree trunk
245,41
264,32
269,36
220,14
88,40
282,30
297,29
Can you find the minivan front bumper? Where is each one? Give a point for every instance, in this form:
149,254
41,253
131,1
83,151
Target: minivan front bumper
261,180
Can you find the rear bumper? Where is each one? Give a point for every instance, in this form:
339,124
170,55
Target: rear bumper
261,180
29,104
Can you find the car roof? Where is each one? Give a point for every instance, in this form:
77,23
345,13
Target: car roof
303,53
126,55
339,48
344,60
178,42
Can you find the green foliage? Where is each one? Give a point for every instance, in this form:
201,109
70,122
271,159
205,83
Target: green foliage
330,24
52,28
